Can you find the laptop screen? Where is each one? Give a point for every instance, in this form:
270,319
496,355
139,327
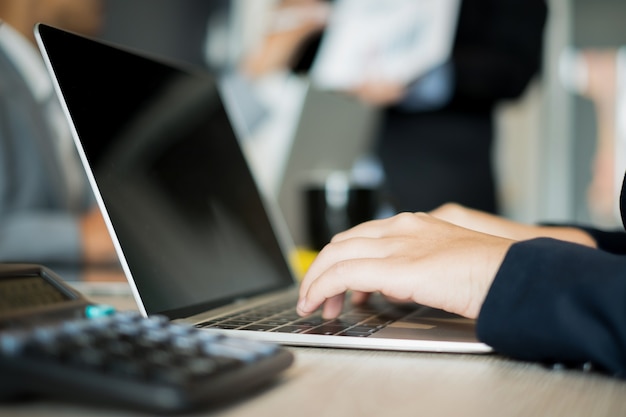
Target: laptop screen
165,162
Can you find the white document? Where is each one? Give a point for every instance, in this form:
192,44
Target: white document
392,40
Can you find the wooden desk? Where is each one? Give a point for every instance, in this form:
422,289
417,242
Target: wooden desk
335,382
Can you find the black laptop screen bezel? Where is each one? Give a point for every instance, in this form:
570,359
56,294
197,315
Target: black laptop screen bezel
102,84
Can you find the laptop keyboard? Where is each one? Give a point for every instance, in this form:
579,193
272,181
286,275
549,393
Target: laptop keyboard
280,316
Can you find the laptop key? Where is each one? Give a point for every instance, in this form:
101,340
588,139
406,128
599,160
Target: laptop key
258,327
292,328
354,333
327,329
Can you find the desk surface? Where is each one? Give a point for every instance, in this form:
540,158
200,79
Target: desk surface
336,382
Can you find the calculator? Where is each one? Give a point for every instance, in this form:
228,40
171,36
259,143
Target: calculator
55,343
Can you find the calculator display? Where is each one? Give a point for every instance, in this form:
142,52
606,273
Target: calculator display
28,292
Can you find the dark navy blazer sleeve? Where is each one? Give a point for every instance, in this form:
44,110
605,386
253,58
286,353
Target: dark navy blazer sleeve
555,301
610,241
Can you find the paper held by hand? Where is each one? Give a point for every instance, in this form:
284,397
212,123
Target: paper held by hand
389,40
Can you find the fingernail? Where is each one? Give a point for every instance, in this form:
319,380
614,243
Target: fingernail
302,305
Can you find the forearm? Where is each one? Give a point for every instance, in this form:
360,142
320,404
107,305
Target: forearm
500,226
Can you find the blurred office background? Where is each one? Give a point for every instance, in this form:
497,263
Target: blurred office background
546,140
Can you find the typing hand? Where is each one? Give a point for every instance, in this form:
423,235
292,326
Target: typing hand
410,257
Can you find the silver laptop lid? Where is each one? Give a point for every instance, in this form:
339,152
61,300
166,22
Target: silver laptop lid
191,229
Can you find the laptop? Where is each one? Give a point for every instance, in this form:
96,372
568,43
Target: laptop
196,239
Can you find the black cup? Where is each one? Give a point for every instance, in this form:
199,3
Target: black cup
333,208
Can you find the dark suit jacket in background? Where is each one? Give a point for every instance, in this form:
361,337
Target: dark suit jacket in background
435,157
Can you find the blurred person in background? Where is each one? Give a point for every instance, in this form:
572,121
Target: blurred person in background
436,137
47,210
595,73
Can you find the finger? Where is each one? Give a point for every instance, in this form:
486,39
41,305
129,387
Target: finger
359,297
339,251
361,275
333,306
372,239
